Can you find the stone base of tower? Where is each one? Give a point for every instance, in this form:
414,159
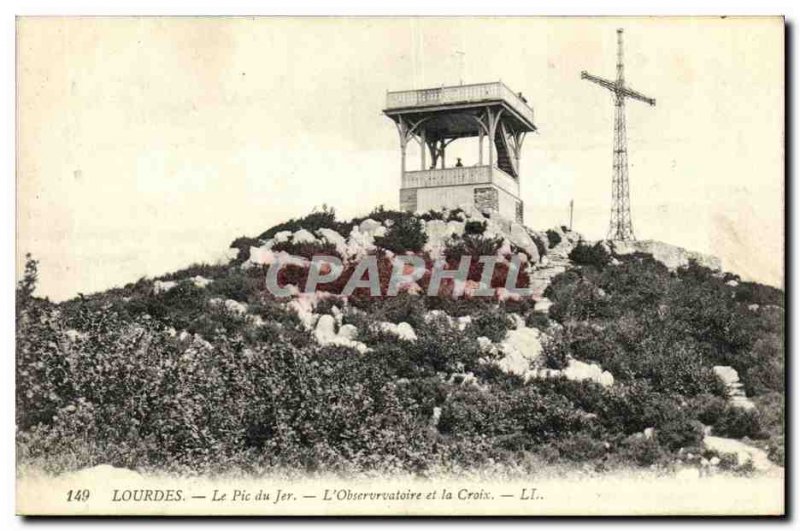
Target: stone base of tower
484,188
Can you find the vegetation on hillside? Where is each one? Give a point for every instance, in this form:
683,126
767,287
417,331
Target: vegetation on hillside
169,380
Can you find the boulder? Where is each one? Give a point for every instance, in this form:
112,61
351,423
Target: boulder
371,227
162,286
282,236
401,330
579,370
335,239
200,282
438,232
303,236
347,331
325,334
521,348
325,331
728,375
543,305
519,236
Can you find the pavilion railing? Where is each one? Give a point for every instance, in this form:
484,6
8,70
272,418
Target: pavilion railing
496,91
460,176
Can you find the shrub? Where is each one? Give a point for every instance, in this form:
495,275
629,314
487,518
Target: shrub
405,307
776,452
27,284
239,285
680,433
430,215
754,293
555,352
474,245
537,320
642,451
576,298
581,447
553,238
738,422
525,414
492,324
440,348
541,246
307,249
317,219
243,244
456,214
595,255
635,406
708,408
470,412
766,373
406,234
475,227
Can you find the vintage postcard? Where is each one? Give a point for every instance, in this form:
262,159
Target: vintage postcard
400,266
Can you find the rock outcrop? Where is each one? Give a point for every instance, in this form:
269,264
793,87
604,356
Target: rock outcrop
671,256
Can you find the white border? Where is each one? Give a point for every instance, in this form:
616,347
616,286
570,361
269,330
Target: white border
12,8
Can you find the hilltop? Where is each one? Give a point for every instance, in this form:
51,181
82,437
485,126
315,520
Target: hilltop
623,356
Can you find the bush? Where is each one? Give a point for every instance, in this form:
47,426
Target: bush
440,348
737,422
307,249
456,214
492,324
553,238
537,320
642,451
596,255
680,433
431,215
576,298
581,448
475,227
405,235
243,244
474,245
526,415
317,219
708,408
555,352
104,378
753,293
541,246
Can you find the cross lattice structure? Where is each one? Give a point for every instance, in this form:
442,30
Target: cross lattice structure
621,225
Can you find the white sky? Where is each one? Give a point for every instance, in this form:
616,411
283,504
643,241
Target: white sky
147,144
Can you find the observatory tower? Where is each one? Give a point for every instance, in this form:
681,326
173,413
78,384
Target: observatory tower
436,117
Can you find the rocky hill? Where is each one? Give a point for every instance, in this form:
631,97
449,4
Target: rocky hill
622,355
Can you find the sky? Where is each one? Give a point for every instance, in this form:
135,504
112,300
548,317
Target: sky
148,144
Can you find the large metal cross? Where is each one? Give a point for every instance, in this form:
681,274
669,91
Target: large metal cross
621,225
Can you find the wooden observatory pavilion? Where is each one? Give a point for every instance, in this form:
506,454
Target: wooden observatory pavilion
436,117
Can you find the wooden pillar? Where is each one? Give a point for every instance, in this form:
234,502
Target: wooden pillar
480,146
491,124
443,163
422,144
401,129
